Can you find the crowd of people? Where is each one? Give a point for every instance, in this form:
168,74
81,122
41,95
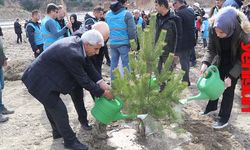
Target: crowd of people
69,55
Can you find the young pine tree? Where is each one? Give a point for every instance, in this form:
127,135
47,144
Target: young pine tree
140,86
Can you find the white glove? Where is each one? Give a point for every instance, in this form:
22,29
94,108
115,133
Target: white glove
227,82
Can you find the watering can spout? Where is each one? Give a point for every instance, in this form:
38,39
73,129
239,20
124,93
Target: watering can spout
121,116
200,96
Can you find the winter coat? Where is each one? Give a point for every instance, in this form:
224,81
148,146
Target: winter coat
172,24
214,49
188,27
18,28
89,21
61,68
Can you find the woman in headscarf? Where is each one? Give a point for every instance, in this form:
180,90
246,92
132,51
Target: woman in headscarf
228,29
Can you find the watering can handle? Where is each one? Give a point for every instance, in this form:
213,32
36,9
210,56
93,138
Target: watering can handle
120,101
214,70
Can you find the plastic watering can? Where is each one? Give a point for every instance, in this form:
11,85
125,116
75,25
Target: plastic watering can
107,111
210,86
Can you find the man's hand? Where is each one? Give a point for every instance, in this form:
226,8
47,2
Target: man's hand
104,85
227,82
203,69
108,94
37,51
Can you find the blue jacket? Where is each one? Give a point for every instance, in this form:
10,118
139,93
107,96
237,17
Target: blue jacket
205,29
34,34
61,68
51,31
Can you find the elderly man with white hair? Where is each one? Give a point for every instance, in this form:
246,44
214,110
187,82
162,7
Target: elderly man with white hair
59,70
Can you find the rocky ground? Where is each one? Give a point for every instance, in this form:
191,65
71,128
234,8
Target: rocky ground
28,128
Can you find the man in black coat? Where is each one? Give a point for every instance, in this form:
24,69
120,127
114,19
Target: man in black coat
62,68
188,37
18,30
167,20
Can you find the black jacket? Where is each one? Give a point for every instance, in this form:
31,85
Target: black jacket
77,24
188,18
18,28
172,24
89,21
61,68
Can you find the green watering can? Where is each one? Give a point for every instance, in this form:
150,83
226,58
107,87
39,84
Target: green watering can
107,111
210,86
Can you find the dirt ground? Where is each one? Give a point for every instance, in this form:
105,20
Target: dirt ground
29,128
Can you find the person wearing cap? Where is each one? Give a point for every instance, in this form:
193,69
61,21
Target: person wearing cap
188,36
122,30
228,30
59,70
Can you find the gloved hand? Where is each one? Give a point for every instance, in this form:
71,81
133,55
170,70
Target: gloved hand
227,82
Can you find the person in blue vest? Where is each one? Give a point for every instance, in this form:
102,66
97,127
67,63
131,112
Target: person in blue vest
122,30
34,33
205,30
51,30
60,19
138,19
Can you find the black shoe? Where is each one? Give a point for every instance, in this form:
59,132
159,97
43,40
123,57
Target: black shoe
76,145
6,111
206,112
219,125
86,126
56,135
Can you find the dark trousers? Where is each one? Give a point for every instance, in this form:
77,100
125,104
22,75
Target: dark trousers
106,54
77,98
193,56
40,47
204,43
227,99
58,118
184,57
19,37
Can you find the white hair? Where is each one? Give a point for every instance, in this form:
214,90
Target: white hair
93,37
